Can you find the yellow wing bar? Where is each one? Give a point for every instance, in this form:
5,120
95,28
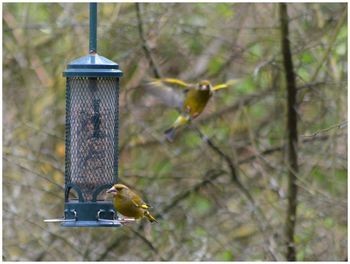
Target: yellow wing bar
224,85
171,81
182,84
176,81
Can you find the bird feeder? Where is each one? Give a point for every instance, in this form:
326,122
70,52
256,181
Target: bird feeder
91,161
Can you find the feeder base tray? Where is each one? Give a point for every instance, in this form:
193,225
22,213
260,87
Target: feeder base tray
104,223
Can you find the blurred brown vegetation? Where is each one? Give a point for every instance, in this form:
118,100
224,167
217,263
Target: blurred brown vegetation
203,215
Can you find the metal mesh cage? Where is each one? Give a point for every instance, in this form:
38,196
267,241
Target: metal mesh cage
91,134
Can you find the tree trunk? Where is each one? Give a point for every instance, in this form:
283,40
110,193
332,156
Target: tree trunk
292,134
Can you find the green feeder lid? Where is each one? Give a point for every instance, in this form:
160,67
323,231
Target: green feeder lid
92,65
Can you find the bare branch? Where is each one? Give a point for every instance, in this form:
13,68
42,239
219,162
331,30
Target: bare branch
339,126
145,45
330,45
147,242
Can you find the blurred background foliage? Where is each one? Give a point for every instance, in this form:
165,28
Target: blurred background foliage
203,215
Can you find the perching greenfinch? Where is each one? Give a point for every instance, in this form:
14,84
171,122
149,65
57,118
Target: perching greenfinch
128,203
194,102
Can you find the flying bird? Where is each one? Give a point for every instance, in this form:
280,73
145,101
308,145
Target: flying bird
191,104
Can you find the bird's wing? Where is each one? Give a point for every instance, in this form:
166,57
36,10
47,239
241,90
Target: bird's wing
174,83
165,90
225,85
137,201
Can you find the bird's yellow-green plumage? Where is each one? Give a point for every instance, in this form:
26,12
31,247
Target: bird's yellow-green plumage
194,102
129,204
181,120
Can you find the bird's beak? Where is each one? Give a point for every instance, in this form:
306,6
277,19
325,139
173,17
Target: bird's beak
204,87
112,191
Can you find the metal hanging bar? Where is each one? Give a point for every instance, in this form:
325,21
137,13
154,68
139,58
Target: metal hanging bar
93,28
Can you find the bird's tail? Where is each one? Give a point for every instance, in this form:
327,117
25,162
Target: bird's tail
180,121
170,134
150,217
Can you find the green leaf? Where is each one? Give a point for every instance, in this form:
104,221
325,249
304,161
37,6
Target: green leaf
307,58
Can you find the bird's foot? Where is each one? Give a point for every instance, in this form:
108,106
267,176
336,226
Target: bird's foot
124,221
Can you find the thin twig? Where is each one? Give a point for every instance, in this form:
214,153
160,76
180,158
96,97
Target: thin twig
244,101
42,130
339,125
117,241
44,229
210,176
229,161
330,45
282,147
34,172
259,215
145,45
147,242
